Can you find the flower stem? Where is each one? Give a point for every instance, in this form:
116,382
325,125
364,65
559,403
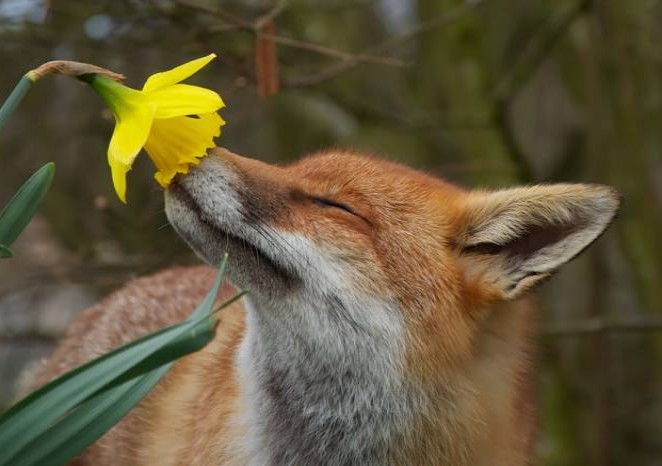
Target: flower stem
14,99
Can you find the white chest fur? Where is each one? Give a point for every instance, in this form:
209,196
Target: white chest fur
323,381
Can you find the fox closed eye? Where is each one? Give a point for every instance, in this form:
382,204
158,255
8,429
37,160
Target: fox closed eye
324,202
329,203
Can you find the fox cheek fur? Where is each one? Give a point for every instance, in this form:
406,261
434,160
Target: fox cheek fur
374,331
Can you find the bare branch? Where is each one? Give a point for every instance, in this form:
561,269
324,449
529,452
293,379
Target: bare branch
444,19
254,28
218,13
274,12
577,329
537,49
594,326
335,53
92,274
350,62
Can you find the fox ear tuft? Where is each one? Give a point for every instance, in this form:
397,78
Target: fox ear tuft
513,238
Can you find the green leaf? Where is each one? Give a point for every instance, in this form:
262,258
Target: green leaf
91,419
22,207
62,419
72,434
5,252
205,308
14,99
36,413
86,429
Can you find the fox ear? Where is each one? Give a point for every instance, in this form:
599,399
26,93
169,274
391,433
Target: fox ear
513,238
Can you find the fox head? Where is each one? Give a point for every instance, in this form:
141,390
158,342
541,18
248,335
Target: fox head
369,331
344,219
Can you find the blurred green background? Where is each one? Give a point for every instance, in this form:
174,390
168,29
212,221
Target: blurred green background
484,93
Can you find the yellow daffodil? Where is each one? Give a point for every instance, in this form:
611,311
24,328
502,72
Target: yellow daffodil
175,123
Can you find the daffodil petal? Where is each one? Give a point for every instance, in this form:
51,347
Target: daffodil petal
176,143
118,172
133,124
177,74
183,99
131,130
164,178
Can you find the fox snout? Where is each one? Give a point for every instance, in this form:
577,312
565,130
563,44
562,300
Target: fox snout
282,226
211,210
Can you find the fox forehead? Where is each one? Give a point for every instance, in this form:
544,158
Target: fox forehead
387,194
341,170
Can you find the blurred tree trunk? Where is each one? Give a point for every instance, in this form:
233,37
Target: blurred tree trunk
626,118
623,91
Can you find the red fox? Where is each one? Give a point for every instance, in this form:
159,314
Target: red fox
373,332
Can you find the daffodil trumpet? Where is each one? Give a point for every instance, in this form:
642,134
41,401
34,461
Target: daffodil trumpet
175,123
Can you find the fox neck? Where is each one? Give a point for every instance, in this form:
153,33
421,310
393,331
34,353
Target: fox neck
323,380
323,377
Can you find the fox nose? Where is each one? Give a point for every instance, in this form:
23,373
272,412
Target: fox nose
218,162
214,173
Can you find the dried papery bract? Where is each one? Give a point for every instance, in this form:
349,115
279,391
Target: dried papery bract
71,68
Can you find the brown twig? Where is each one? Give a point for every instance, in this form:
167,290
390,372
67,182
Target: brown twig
335,53
272,14
254,28
577,329
594,326
347,63
94,273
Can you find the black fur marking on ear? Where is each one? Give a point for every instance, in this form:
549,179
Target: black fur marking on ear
538,237
490,249
534,238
